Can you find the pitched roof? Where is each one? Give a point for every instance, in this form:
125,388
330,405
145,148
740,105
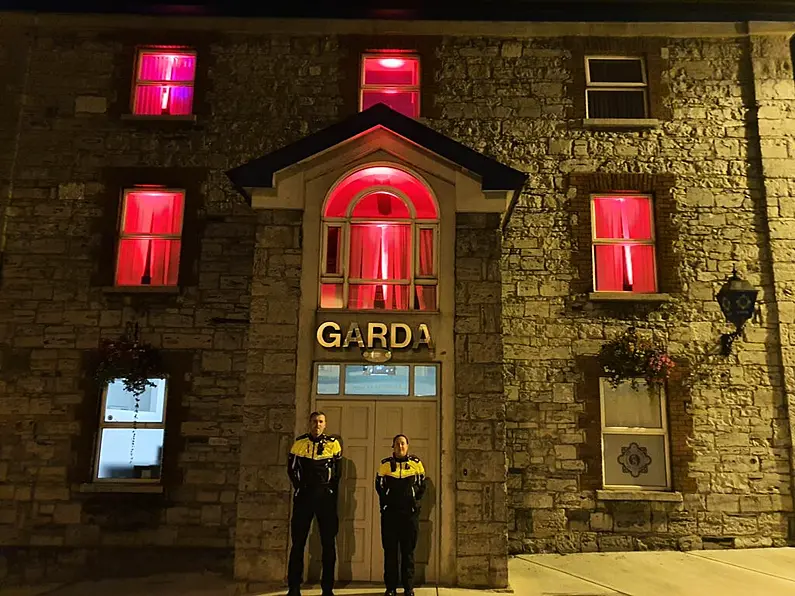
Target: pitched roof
258,173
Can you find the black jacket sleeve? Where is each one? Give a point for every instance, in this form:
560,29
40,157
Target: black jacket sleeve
294,470
419,486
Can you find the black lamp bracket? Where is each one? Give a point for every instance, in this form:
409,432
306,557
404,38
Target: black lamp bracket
727,339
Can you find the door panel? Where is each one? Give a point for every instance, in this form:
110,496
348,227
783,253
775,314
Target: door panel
418,421
366,429
352,423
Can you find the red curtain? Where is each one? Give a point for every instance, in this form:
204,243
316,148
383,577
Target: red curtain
624,267
379,251
150,261
171,99
426,252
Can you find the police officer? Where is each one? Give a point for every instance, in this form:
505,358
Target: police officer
314,469
400,483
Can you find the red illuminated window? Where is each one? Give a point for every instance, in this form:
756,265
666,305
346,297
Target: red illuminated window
392,79
150,237
164,82
623,244
380,243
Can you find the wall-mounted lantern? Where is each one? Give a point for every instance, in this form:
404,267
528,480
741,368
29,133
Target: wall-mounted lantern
737,300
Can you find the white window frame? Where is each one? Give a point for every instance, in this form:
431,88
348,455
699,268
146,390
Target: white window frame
634,430
369,397
610,86
139,82
120,235
410,88
414,279
612,241
103,424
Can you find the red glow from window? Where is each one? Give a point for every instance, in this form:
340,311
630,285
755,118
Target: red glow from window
391,71
149,247
391,62
340,198
405,102
381,252
392,80
622,267
165,83
381,205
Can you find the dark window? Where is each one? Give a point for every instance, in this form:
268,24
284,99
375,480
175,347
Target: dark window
616,87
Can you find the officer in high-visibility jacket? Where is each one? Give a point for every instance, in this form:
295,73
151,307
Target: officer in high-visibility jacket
400,483
314,469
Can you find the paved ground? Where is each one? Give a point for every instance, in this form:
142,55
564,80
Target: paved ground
752,572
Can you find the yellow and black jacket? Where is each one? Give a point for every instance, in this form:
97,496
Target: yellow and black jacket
400,484
315,463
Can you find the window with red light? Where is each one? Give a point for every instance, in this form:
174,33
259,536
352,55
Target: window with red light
150,233
392,79
380,230
164,82
623,244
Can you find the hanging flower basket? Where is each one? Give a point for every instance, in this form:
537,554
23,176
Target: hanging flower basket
128,360
629,357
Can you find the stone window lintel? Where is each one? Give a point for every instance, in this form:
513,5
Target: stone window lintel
159,118
141,290
120,487
628,297
620,123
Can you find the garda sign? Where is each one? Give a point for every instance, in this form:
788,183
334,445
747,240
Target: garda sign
374,335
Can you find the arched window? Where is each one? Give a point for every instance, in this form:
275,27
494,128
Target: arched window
380,228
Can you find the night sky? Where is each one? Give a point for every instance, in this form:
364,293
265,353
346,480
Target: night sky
512,10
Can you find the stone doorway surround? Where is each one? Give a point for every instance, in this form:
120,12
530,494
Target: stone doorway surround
287,189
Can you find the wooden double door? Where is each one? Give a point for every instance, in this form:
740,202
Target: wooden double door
366,429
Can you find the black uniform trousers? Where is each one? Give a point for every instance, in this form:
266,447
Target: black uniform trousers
308,504
399,530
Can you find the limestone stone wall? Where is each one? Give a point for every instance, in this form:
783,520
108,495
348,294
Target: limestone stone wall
74,152
729,429
268,412
725,192
481,533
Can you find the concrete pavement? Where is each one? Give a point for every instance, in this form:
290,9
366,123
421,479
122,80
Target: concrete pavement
749,572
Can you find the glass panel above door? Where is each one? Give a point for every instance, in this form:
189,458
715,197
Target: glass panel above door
376,379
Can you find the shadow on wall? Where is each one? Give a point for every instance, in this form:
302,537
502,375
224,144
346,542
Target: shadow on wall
347,536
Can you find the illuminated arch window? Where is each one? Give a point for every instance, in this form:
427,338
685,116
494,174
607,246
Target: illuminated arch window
380,228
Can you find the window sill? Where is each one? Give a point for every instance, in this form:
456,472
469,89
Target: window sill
627,297
120,487
161,118
141,290
638,495
348,311
620,123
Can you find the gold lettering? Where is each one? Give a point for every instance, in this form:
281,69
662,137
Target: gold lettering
334,336
423,337
394,343
354,334
380,335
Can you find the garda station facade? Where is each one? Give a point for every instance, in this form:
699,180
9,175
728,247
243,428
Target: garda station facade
417,227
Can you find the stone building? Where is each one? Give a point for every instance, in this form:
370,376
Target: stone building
541,188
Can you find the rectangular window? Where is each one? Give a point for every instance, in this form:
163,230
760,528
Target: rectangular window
392,79
131,433
623,244
635,451
164,80
150,232
359,380
616,87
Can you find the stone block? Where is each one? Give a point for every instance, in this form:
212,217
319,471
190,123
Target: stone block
473,571
90,104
